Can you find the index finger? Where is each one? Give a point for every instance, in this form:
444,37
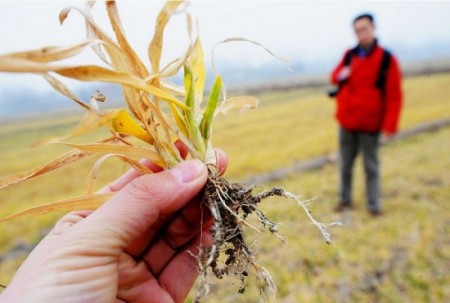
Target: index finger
132,174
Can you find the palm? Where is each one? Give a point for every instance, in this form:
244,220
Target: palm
137,247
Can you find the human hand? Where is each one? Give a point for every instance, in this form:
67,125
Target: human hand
137,247
386,138
344,73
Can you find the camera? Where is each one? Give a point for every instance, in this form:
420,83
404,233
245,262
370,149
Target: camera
332,92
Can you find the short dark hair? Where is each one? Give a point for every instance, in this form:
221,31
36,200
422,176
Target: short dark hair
362,16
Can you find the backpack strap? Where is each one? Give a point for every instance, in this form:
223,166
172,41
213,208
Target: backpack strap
349,55
382,74
348,58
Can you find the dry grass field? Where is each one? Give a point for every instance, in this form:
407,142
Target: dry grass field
401,257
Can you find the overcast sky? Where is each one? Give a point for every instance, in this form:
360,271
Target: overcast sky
301,31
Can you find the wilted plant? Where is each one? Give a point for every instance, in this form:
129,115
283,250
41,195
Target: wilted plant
160,113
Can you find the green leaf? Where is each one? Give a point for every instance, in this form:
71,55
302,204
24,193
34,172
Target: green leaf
208,114
189,101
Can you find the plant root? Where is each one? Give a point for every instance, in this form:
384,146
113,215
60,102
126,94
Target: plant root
230,205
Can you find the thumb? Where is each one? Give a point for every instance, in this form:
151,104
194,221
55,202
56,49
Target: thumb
143,201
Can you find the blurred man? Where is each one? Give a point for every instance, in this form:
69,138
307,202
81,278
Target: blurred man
369,99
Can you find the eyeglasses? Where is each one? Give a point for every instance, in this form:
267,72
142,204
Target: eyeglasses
362,29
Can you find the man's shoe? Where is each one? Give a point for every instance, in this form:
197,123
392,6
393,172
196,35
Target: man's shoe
376,212
342,206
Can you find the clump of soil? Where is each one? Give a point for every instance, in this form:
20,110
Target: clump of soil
230,205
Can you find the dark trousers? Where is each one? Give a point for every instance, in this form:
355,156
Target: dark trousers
350,144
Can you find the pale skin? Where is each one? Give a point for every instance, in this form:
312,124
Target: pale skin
138,247
365,34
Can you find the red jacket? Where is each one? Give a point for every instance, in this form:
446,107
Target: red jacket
360,104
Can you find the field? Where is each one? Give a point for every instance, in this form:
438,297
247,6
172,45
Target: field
401,257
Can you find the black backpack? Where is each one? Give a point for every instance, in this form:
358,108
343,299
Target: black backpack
382,73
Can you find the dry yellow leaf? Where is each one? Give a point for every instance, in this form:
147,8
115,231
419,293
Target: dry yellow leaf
93,32
87,202
134,152
61,161
97,73
156,45
135,62
60,87
52,53
92,177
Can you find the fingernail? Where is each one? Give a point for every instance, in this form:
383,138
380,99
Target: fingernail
187,171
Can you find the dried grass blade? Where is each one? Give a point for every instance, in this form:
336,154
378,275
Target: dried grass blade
97,73
92,177
156,45
240,104
173,67
240,39
12,64
61,161
87,202
172,88
144,170
118,58
52,53
60,87
135,152
135,63
93,31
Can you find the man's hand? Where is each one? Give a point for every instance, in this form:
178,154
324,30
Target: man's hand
386,138
344,73
137,247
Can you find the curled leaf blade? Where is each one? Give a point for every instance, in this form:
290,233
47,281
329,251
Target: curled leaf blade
155,46
123,123
61,88
92,177
239,104
93,31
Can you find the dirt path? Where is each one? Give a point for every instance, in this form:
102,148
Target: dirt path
319,162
